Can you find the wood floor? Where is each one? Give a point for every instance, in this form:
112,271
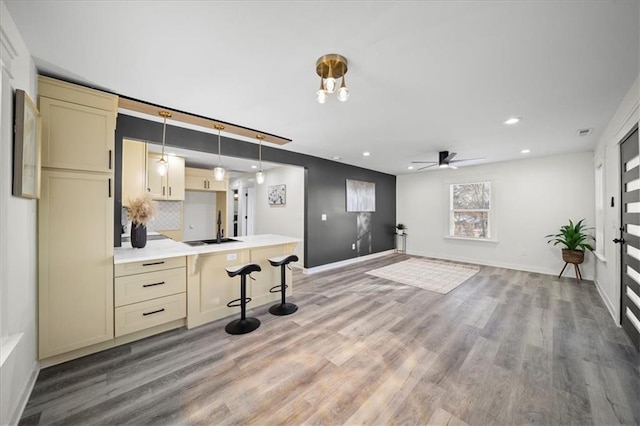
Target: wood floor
506,347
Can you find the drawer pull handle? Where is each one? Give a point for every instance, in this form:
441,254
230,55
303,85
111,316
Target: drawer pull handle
152,312
152,263
154,284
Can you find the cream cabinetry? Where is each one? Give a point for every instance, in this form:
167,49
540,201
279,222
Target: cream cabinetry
75,218
203,180
134,166
78,132
210,288
171,185
148,294
75,272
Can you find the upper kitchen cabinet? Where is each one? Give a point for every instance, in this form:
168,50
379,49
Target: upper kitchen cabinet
134,167
171,185
79,134
203,180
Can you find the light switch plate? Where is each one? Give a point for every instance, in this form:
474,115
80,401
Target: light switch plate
232,256
324,217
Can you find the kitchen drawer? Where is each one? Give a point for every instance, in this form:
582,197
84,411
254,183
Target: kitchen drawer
138,316
149,265
140,287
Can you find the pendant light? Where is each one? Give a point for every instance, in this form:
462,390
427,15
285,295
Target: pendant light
260,174
162,166
218,172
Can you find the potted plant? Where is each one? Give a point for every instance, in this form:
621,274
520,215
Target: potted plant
575,241
140,211
400,228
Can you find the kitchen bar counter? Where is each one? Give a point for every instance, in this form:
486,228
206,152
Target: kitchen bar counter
167,248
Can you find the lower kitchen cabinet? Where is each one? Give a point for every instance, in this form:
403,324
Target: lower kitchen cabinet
75,267
149,293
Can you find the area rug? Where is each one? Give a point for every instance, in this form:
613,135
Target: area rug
429,274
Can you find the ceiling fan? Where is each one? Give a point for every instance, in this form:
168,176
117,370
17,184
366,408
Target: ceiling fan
445,160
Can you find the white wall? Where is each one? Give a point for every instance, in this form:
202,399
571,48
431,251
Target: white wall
531,198
607,271
18,238
287,219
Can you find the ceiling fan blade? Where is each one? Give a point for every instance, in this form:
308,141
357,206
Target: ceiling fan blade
449,157
424,162
466,159
426,167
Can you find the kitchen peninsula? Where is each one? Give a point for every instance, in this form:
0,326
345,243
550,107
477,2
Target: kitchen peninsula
154,281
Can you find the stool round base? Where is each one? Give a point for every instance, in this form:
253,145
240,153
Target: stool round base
242,326
283,309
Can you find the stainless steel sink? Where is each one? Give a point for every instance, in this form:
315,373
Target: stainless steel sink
207,242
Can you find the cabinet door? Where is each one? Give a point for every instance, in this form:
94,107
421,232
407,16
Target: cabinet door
197,179
134,166
156,184
76,136
175,178
75,218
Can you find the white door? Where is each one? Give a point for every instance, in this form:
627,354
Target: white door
245,210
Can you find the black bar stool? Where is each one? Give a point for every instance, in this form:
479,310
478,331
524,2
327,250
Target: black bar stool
282,308
243,325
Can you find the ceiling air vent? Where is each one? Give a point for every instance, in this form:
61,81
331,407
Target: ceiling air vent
584,132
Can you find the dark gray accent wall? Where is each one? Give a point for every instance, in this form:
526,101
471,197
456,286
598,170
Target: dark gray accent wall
325,189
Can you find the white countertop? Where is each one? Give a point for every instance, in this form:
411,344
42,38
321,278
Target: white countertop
158,249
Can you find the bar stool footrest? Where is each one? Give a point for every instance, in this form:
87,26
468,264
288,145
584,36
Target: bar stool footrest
277,288
283,309
238,302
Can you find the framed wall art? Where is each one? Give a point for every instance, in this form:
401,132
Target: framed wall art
277,195
26,149
361,196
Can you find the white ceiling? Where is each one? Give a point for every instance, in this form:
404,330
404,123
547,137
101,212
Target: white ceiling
423,76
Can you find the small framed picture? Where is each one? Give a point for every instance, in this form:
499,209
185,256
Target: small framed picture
277,195
26,150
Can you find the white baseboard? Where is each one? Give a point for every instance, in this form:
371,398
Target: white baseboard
341,263
607,303
24,396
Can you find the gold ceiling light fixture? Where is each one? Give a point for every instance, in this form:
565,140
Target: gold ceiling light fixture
260,174
330,68
163,165
218,172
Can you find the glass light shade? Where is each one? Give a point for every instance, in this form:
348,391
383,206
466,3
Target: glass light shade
343,94
218,173
321,96
260,178
162,166
330,84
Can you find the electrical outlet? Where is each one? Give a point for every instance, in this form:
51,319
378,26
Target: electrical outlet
324,217
353,246
232,256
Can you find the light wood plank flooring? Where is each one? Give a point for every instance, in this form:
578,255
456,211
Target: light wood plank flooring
506,347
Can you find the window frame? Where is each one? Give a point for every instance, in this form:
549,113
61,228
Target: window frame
490,213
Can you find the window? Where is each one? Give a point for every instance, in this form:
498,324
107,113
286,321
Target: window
470,210
599,210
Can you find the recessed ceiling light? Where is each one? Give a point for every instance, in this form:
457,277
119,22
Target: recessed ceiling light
335,157
410,167
253,166
525,151
512,120
366,153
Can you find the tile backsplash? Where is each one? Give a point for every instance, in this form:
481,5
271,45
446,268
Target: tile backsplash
168,217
